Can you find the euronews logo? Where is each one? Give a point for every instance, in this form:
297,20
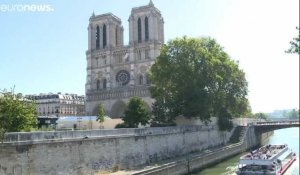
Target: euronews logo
26,8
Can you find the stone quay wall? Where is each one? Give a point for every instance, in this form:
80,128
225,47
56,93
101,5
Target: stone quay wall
203,160
91,152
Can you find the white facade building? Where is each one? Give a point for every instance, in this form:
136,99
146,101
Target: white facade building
117,72
58,105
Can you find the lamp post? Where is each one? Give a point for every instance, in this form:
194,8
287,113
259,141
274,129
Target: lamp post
79,120
91,124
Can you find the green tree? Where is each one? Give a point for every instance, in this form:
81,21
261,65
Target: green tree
294,44
194,77
161,117
136,113
261,116
17,113
101,114
293,114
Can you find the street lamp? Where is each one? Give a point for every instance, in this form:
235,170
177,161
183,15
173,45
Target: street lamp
79,120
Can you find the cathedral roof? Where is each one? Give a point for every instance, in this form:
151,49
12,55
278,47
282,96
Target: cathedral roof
150,6
105,16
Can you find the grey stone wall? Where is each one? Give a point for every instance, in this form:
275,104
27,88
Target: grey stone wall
88,152
199,161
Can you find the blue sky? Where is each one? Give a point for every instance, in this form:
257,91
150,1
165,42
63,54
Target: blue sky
43,52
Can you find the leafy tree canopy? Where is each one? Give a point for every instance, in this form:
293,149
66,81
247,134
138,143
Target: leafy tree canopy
135,114
295,44
17,113
194,77
261,115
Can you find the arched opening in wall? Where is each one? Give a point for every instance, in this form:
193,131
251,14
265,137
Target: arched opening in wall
97,37
104,84
139,54
139,30
116,35
147,106
104,36
98,84
97,61
147,54
96,110
117,109
148,80
141,80
146,29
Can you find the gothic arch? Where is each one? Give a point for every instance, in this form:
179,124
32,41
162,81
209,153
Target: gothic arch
96,110
104,36
98,84
139,30
141,80
97,37
118,109
117,36
148,80
146,29
104,83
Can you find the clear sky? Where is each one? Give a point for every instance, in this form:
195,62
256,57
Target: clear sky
43,52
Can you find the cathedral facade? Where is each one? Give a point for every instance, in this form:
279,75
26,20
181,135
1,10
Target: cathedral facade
117,72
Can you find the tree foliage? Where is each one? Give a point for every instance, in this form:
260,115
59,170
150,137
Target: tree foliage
261,116
194,77
17,113
162,118
136,113
292,114
295,44
101,114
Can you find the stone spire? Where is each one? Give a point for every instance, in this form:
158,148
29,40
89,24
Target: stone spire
151,3
93,14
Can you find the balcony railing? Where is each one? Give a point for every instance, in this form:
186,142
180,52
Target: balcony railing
142,91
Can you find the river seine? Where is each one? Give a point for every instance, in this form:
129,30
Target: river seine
288,136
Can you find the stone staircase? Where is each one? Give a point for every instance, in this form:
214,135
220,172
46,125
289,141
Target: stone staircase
237,134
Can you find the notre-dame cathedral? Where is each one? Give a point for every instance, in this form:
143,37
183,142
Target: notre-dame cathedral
117,72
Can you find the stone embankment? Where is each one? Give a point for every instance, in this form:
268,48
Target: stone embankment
96,151
242,139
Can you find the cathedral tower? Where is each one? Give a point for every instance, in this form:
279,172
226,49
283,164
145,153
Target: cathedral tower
146,25
104,31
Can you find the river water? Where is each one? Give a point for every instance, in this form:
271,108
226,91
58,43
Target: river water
288,136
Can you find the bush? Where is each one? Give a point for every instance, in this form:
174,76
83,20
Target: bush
122,125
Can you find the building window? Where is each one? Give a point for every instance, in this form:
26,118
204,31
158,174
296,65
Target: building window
97,37
139,30
120,59
146,54
98,84
104,36
104,84
116,35
141,80
146,29
139,54
97,61
104,59
148,81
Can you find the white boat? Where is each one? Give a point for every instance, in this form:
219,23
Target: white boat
267,160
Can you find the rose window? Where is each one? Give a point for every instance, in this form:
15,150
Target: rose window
123,77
